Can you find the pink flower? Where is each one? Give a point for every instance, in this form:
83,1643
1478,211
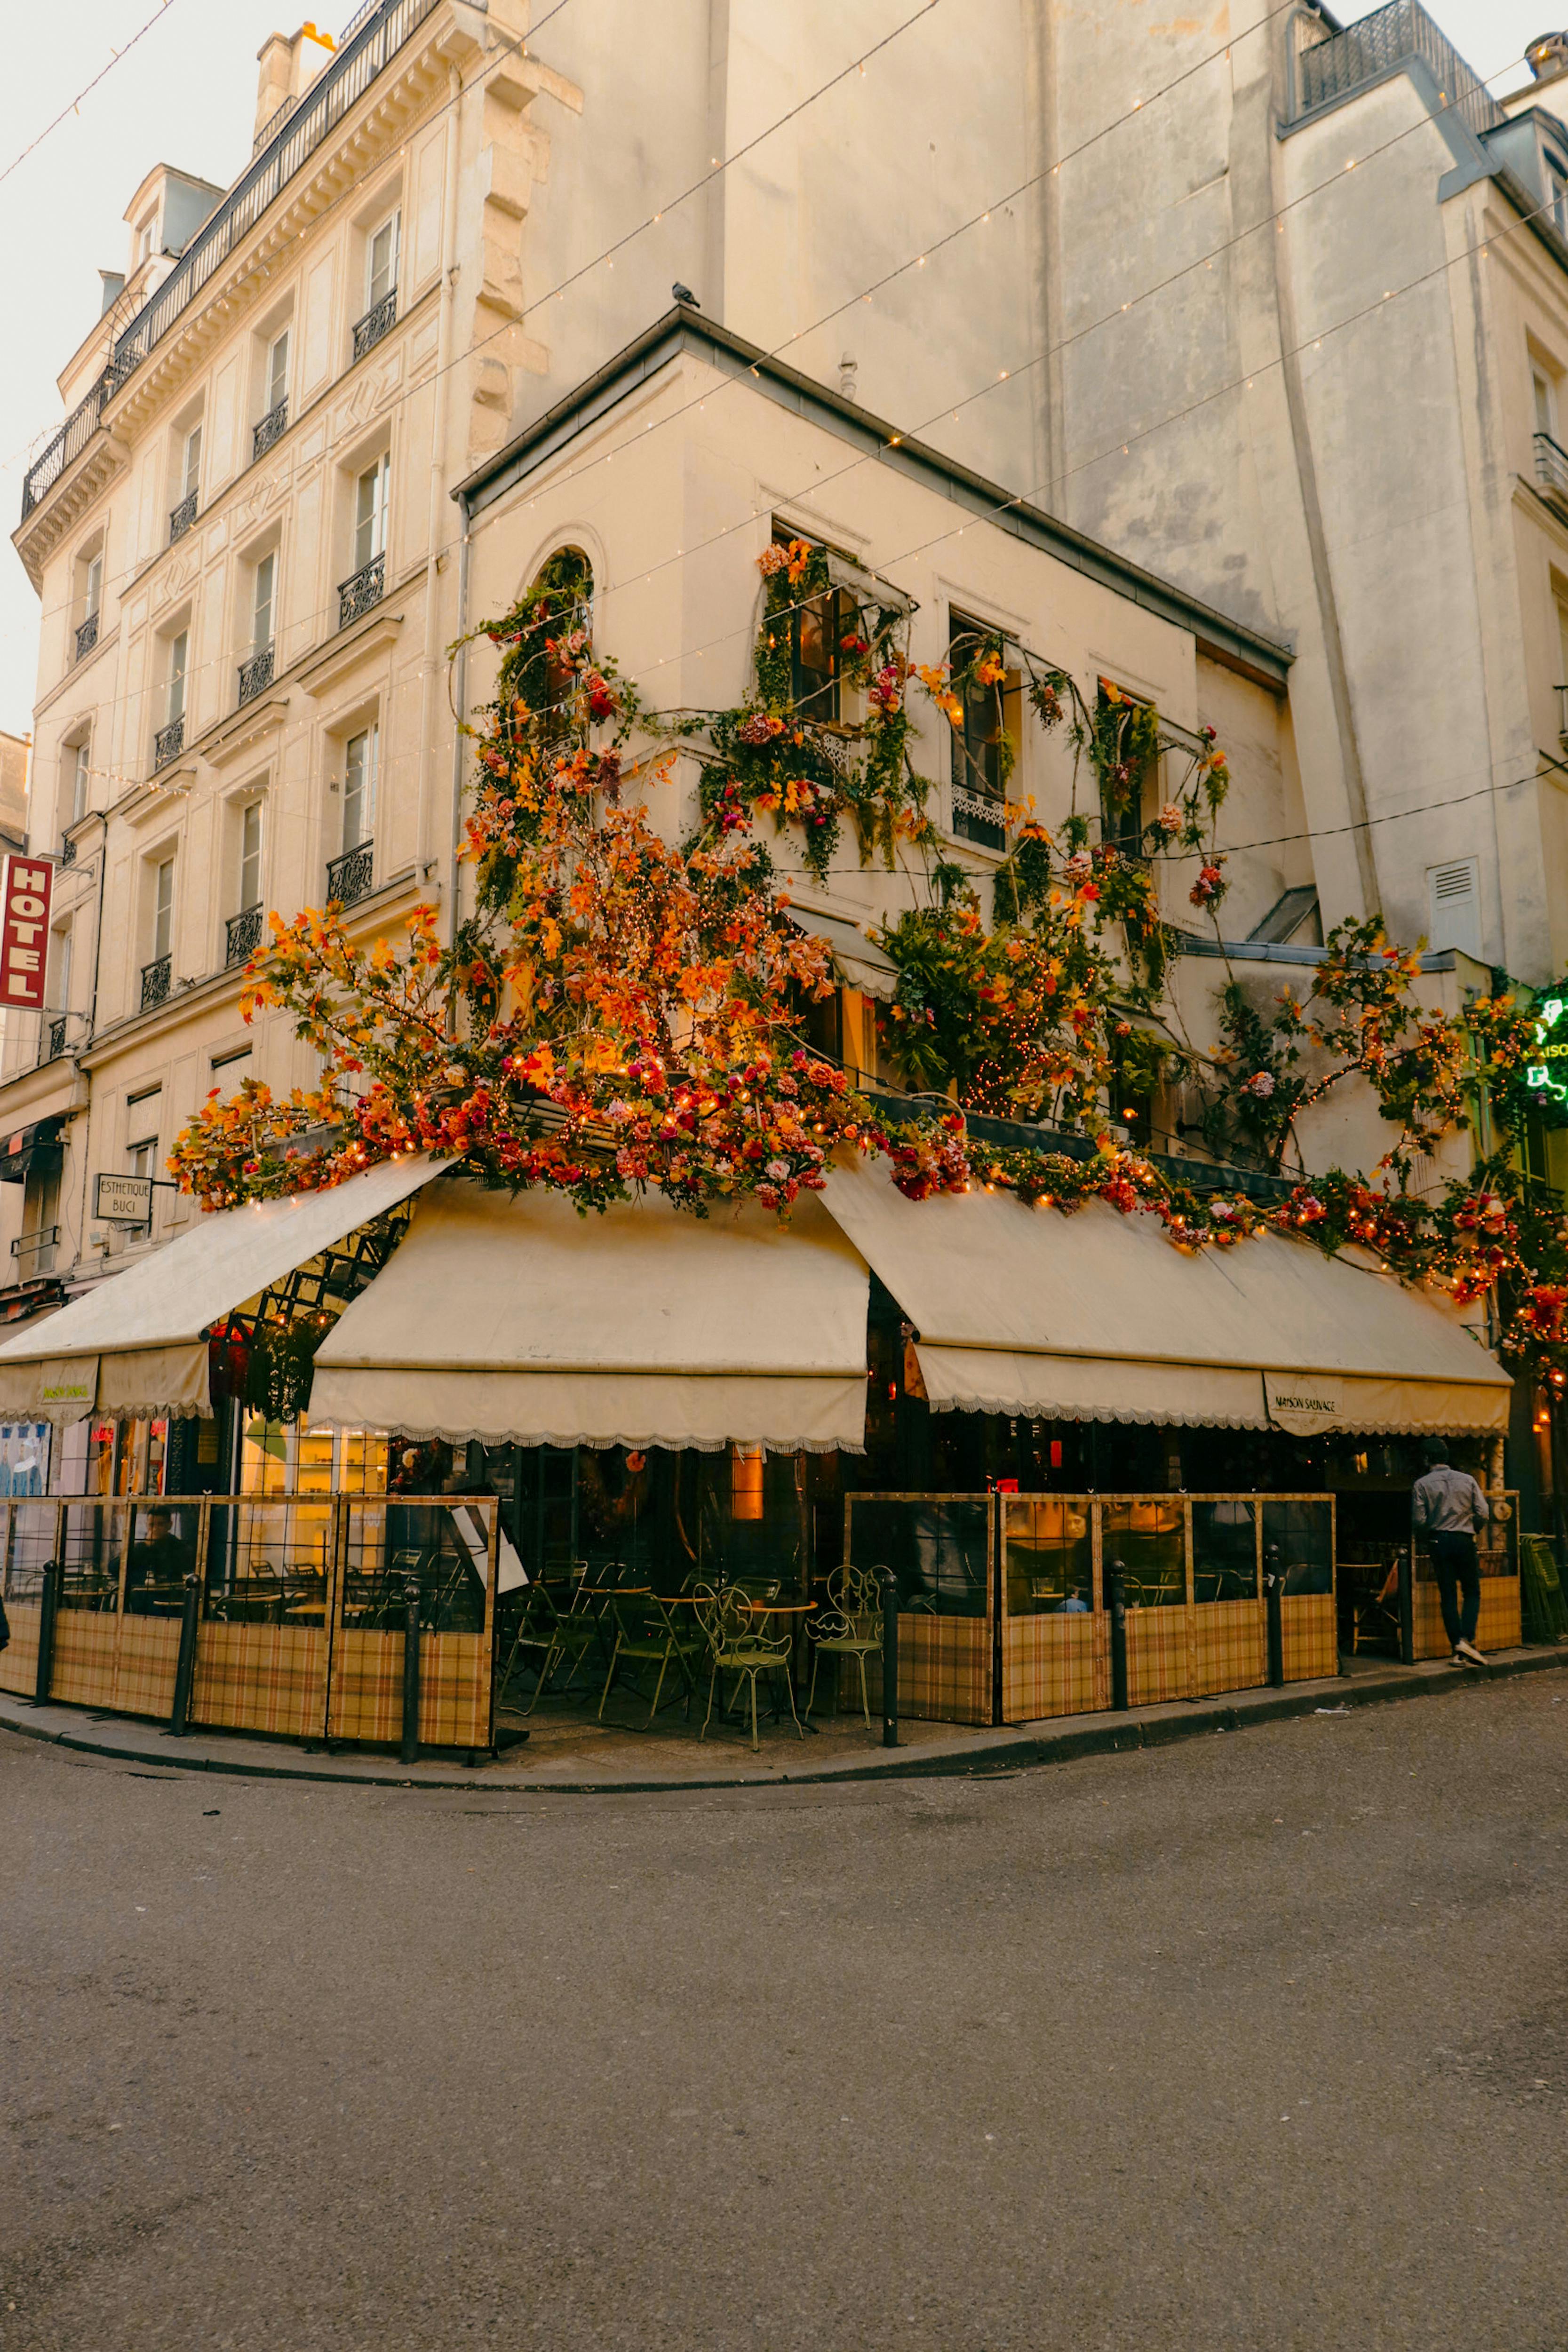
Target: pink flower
1261,1083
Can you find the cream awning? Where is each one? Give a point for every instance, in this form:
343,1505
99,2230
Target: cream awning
519,1320
137,1343
1096,1316
859,963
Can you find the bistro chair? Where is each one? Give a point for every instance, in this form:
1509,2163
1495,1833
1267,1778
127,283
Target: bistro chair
648,1633
849,1627
730,1628
553,1635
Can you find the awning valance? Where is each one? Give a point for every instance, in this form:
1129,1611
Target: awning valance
1096,1316
137,1343
519,1320
858,961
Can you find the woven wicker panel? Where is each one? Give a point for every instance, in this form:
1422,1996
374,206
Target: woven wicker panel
145,1665
1230,1646
454,1690
1159,1655
1054,1664
261,1678
944,1669
367,1687
20,1664
1498,1627
1311,1643
83,1666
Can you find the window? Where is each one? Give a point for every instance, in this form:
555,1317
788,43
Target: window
58,991
92,592
179,657
162,908
250,855
141,241
40,1225
1557,199
1545,401
276,390
1130,719
261,602
191,470
1455,899
381,261
816,625
78,770
985,744
370,512
359,787
141,1160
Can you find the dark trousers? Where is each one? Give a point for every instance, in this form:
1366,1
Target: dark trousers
1456,1569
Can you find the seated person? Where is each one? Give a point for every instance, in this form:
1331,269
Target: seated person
1075,1605
159,1560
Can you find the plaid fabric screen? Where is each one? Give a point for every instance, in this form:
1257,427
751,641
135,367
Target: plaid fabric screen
83,1668
944,1669
1499,1626
1159,1655
20,1664
261,1678
145,1665
454,1690
1053,1665
367,1687
1312,1643
1230,1646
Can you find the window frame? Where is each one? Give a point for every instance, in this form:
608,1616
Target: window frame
975,754
252,855
360,796
378,475
161,929
178,668
393,222
275,381
264,565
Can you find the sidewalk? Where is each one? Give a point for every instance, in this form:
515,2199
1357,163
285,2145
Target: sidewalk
576,1757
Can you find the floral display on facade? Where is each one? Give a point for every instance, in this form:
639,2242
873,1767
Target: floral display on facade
622,1011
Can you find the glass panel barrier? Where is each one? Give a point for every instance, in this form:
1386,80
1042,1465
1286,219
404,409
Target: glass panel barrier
164,1539
91,1539
938,1546
269,1559
34,1539
1302,1527
1048,1554
1148,1535
1224,1548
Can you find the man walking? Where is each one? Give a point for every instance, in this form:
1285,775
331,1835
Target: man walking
1450,1507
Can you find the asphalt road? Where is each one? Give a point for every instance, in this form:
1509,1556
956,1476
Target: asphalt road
1260,2042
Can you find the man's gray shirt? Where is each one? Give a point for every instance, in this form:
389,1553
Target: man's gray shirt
1449,1503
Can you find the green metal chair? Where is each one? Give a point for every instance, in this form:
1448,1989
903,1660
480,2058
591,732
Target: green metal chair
729,1627
849,1627
648,1631
555,1635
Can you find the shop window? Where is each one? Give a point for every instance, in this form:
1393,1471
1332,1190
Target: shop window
748,1465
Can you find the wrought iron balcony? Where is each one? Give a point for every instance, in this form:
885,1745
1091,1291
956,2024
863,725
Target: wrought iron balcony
155,981
244,936
256,675
350,876
51,1037
1551,468
169,742
183,517
87,637
39,1247
369,331
67,853
363,593
272,428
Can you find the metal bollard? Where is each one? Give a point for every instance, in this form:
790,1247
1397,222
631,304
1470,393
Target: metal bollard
1116,1600
889,1658
410,1751
1273,1596
48,1609
186,1670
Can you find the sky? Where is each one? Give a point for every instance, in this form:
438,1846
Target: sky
184,93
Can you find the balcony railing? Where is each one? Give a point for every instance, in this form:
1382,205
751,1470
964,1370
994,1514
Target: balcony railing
350,876
67,853
183,517
51,1037
169,742
978,818
1551,468
272,428
1333,68
155,981
87,637
369,331
339,88
256,675
244,936
363,593
39,1247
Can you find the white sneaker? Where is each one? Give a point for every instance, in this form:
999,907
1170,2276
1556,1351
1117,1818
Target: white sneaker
1467,1654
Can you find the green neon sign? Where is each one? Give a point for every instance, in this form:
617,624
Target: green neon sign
1548,1074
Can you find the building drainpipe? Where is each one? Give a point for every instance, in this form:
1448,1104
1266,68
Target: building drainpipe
460,700
438,466
93,1013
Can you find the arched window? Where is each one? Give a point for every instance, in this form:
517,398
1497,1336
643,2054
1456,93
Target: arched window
559,602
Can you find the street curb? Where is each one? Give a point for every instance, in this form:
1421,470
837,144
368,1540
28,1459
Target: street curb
1021,1747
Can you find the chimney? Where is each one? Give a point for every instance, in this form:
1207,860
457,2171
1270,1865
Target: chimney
276,86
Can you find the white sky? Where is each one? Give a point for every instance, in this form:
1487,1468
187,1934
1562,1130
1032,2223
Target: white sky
186,95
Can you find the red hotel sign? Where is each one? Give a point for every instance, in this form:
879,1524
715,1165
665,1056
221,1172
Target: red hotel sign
24,929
